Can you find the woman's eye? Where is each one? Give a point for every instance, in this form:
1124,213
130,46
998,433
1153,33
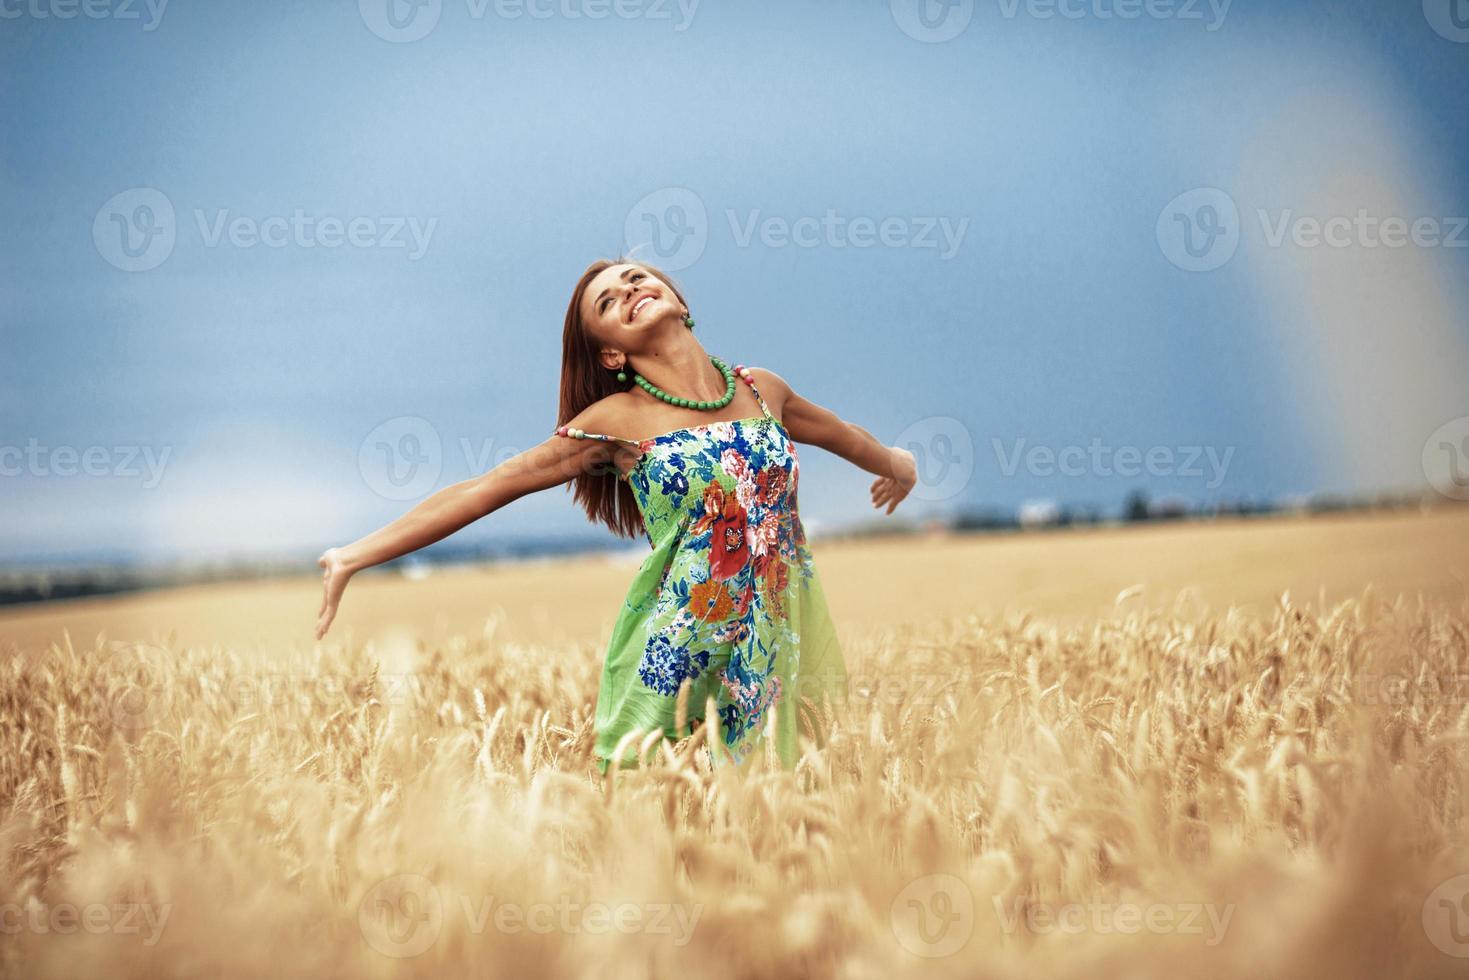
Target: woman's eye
632,278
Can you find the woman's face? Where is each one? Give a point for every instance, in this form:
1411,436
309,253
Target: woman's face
625,301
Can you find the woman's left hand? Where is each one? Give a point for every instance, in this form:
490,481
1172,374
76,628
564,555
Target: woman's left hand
890,490
335,574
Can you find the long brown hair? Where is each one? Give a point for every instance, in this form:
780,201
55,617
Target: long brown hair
606,498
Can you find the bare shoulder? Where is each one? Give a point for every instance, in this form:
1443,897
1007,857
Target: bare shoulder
773,388
607,416
770,383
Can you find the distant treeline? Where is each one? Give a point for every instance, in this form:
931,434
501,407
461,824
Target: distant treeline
1139,508
40,583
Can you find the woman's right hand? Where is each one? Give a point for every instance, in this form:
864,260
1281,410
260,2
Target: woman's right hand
549,464
889,491
335,574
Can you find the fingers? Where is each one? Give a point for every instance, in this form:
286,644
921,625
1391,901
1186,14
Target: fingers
329,612
324,621
331,591
887,492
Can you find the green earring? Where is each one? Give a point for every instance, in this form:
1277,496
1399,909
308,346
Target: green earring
621,375
688,321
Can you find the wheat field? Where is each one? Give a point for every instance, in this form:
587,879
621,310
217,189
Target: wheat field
1170,787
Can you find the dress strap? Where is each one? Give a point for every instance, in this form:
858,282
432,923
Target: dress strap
571,433
745,375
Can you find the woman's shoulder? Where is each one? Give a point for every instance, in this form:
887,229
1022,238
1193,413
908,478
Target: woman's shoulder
773,389
769,382
608,415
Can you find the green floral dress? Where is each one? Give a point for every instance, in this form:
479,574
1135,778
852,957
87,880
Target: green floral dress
728,599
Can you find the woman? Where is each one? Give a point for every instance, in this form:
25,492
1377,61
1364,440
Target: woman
661,438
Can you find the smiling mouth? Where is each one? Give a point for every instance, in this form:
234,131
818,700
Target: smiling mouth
638,307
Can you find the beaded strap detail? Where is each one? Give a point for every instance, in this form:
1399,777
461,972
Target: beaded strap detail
574,433
743,373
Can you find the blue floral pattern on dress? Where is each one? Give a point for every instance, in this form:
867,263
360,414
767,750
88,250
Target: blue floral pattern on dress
665,666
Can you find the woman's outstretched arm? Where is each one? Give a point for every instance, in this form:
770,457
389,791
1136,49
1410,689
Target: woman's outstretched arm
549,464
896,469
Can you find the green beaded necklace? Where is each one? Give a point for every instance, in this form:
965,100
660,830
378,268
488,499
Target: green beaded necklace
703,406
709,406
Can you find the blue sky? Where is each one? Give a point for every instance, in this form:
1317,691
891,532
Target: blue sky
366,230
